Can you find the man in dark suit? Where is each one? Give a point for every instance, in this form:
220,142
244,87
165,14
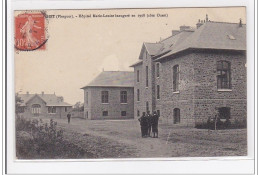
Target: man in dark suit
143,122
149,119
68,116
155,119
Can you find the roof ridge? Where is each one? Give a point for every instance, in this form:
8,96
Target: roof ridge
188,30
37,94
116,71
169,37
149,43
223,22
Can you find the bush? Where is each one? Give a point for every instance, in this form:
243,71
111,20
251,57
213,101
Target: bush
221,124
35,139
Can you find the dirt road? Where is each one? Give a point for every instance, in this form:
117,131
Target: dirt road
173,141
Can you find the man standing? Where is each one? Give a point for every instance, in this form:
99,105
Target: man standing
68,116
149,118
143,123
155,119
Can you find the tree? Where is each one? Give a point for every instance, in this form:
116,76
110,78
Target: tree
77,105
18,102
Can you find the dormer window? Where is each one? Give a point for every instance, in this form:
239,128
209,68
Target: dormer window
231,37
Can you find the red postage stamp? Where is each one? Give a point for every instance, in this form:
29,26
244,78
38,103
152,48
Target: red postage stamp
30,32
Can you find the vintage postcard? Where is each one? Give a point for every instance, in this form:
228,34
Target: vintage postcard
130,83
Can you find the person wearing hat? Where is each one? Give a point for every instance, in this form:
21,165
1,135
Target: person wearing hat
143,123
155,119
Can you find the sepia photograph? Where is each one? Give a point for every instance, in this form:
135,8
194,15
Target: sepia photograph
130,83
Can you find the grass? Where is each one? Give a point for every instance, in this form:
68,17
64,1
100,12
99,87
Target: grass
122,139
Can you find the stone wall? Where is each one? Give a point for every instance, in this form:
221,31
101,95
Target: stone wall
198,97
182,99
95,106
146,93
207,97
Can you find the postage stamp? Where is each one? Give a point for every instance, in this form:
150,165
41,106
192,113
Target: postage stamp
30,33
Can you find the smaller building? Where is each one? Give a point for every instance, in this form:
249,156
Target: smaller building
43,105
110,96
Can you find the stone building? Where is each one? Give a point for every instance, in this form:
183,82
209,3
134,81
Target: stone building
194,74
110,96
43,105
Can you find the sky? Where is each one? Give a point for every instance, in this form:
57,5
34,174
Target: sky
79,49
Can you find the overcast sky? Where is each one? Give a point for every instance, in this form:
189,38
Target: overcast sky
78,49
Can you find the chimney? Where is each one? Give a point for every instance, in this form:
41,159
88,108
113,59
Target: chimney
42,93
27,93
240,22
183,27
174,32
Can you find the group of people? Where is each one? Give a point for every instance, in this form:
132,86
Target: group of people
149,123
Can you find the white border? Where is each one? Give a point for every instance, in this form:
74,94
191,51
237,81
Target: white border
216,165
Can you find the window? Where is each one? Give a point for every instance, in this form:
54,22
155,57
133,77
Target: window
104,96
158,113
158,92
176,78
147,106
224,75
52,109
86,97
138,94
87,114
138,113
146,75
36,109
123,113
224,113
158,70
138,76
123,97
105,113
176,116
66,109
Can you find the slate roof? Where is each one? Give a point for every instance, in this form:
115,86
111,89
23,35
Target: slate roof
210,35
153,48
137,63
113,79
49,99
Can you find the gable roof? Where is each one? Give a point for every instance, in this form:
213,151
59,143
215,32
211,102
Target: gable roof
49,99
212,35
153,48
137,63
113,79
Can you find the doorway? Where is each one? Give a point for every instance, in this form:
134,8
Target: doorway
36,109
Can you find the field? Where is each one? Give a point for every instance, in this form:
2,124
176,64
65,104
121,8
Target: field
122,139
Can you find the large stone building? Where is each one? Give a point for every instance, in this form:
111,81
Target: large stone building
43,105
194,74
110,96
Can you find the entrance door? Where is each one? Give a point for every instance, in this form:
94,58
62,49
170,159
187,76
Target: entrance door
176,116
36,109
